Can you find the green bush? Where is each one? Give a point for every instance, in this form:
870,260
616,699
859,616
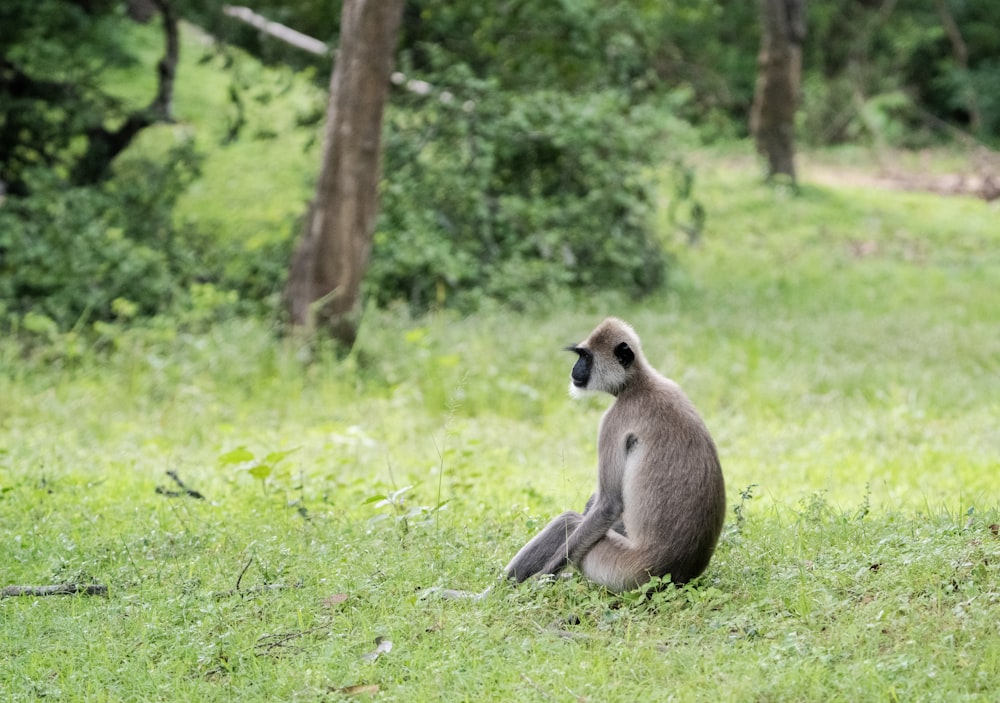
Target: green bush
69,253
513,196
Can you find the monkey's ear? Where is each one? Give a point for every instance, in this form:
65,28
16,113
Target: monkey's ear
624,355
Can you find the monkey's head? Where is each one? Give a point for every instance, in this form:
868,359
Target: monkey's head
606,360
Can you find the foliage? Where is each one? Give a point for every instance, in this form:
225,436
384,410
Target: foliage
50,53
583,45
854,52
848,367
890,72
549,193
79,254
514,196
145,237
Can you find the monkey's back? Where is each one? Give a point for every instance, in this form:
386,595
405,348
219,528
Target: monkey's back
673,489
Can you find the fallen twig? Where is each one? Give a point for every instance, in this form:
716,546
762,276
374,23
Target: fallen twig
185,491
240,577
254,589
545,694
56,589
280,643
262,588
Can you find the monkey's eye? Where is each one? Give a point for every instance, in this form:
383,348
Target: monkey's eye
624,354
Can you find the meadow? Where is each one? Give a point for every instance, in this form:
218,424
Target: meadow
841,343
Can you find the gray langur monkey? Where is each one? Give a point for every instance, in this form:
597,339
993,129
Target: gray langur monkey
660,501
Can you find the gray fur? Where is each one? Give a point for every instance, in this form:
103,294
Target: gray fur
660,501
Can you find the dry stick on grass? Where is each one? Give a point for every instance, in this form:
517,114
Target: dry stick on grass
56,589
185,491
281,642
256,589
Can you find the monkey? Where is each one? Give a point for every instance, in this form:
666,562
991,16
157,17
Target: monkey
660,502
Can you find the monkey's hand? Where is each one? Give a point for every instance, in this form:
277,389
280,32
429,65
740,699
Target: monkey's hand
556,564
601,517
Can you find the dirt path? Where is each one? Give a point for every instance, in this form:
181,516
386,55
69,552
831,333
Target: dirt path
978,177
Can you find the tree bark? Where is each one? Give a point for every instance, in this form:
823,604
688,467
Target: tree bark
327,268
779,70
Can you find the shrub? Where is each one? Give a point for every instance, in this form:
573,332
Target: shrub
513,196
69,253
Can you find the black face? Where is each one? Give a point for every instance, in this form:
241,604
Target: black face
581,370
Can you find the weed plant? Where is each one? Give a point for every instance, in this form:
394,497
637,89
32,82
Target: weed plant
841,343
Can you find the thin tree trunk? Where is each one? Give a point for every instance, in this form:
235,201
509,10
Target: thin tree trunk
779,70
328,266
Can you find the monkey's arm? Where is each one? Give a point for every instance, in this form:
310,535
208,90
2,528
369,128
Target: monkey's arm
536,554
600,517
603,512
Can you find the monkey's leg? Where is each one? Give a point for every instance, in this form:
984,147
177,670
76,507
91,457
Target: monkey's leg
543,548
617,564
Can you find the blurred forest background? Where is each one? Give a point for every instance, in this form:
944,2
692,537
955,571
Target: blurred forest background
157,156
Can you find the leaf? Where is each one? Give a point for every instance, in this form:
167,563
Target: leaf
39,324
373,499
261,471
275,457
239,455
415,336
335,599
394,496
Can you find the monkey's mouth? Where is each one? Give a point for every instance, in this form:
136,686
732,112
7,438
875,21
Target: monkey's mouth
581,369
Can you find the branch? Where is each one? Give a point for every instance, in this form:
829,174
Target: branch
278,31
103,145
58,589
315,46
162,105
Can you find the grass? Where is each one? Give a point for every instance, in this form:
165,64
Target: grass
841,345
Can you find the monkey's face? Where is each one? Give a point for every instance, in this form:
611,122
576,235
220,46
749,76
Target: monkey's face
606,360
600,372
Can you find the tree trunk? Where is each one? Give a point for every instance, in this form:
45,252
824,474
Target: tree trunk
327,268
779,70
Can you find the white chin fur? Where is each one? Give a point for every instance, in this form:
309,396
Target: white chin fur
576,392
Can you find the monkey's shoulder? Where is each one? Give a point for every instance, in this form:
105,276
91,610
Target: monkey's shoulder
662,414
657,399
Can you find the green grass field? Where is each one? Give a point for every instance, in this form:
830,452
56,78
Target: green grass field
843,346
